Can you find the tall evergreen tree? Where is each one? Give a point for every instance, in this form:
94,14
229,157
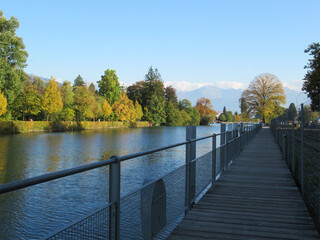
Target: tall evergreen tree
156,110
224,110
78,82
92,88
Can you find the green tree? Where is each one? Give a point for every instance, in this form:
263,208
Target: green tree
264,96
185,118
13,57
98,109
312,78
195,117
109,86
106,109
28,102
85,103
92,88
78,82
229,116
222,117
52,102
173,115
67,114
138,109
308,115
156,110
153,86
38,84
224,110
143,91
292,112
136,91
170,95
245,115
185,104
207,119
67,94
3,104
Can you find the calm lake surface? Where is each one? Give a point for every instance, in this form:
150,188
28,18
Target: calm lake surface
35,212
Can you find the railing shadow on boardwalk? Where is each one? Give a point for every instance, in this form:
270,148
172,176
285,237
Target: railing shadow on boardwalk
154,210
256,198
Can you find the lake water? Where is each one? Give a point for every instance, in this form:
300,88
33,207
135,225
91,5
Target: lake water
36,211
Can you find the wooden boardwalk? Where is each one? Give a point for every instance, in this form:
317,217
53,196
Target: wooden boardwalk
256,198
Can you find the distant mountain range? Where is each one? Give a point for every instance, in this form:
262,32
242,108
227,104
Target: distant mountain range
230,97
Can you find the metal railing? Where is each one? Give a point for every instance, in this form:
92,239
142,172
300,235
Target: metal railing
298,136
143,213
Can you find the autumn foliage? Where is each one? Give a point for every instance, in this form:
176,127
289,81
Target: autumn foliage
205,107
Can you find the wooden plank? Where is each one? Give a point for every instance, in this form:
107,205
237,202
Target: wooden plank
256,198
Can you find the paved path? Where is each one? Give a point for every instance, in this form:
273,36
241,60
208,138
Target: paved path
256,198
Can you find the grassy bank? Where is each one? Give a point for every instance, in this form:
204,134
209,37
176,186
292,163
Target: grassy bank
44,126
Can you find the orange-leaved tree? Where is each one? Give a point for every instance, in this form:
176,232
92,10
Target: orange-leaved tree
205,107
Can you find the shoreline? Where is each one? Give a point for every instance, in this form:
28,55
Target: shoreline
14,127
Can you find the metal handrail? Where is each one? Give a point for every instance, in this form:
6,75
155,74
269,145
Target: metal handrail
19,184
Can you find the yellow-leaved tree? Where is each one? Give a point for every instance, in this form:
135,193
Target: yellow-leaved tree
124,109
264,96
138,109
3,104
52,102
106,109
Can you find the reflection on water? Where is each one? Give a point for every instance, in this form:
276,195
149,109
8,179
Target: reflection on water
36,211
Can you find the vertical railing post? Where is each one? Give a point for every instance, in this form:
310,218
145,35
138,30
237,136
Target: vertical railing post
214,157
242,137
301,154
284,147
114,198
228,148
292,139
190,182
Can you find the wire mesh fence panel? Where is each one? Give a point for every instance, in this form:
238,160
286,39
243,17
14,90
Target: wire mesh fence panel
203,172
311,154
175,189
94,226
130,215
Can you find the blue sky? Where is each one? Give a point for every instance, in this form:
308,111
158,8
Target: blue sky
192,43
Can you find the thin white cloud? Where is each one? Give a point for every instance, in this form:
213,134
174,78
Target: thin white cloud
184,86
294,84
